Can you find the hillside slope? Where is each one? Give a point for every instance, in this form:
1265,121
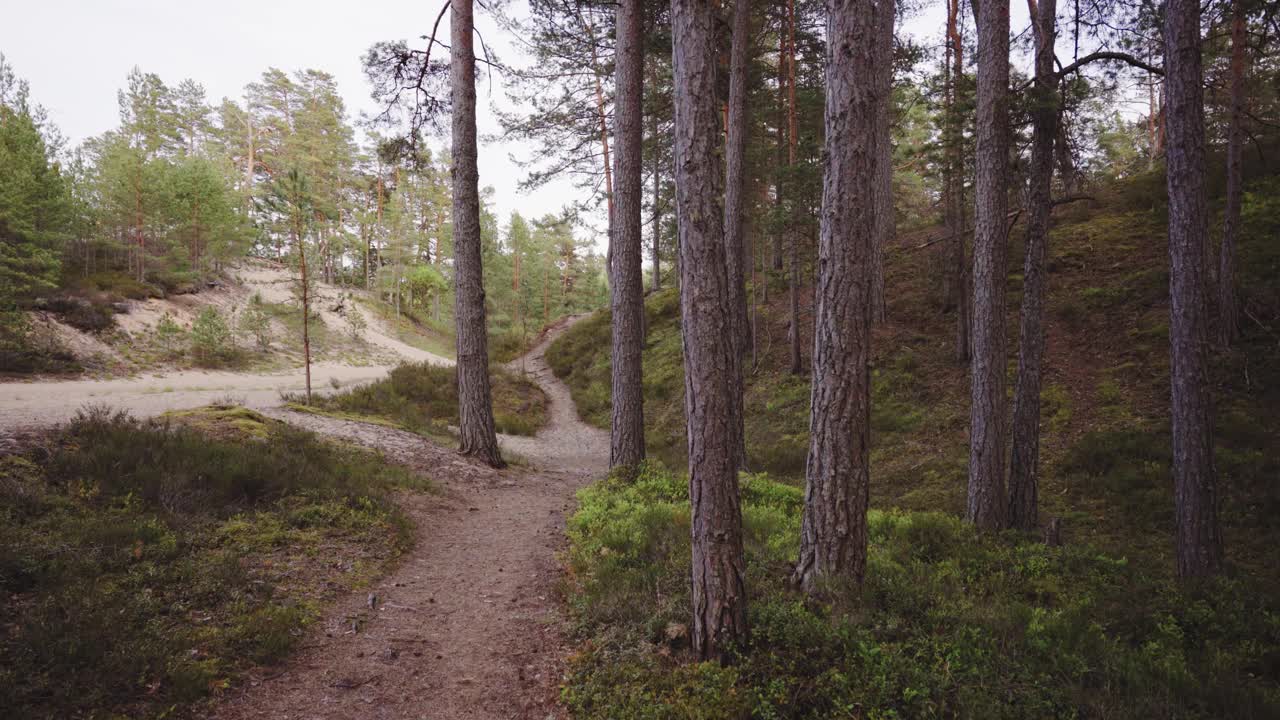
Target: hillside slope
1105,448
118,329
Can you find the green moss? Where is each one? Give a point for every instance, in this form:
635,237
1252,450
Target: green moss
225,421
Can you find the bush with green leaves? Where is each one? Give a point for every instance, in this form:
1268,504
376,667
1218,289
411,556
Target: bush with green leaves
356,324
254,322
211,340
948,623
170,336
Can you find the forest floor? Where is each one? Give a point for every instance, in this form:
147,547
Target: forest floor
468,624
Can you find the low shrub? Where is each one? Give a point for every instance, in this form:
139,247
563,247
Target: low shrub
146,563
423,398
948,623
211,341
83,314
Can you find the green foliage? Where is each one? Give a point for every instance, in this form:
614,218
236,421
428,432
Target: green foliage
423,398
24,351
211,341
949,623
146,564
255,322
170,335
356,324
35,204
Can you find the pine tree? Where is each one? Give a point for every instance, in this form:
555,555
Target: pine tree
718,589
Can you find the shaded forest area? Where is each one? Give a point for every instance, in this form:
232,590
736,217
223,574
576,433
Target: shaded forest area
939,368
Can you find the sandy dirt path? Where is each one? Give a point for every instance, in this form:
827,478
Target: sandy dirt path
468,625
29,405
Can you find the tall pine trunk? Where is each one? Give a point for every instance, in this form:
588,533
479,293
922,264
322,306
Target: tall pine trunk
882,183
625,282
957,260
793,284
718,567
657,192
734,211
1023,480
986,497
1228,309
1199,541
833,536
475,402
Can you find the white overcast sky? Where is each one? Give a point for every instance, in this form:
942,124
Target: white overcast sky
76,55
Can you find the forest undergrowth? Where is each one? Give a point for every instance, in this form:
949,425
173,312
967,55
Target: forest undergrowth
148,564
951,623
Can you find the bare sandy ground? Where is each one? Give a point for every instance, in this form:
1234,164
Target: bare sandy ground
29,405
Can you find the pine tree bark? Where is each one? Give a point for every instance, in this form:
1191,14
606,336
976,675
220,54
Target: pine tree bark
734,211
797,362
882,185
1228,308
986,497
475,402
1199,541
778,249
718,566
958,266
1023,466
833,537
626,284
657,196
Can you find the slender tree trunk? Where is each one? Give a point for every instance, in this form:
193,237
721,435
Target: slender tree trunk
778,249
306,299
734,211
1228,309
1199,541
626,283
373,237
882,184
475,404
833,536
657,193
958,262
1151,117
797,363
439,262
546,295
718,567
1023,471
986,498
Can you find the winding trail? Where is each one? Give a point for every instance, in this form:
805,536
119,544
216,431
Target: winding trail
468,625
